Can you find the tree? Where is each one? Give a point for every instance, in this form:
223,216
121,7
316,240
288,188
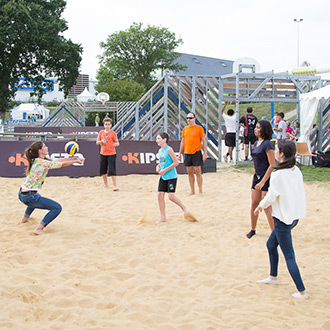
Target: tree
136,53
32,47
122,90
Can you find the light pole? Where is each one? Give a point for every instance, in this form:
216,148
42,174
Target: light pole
298,20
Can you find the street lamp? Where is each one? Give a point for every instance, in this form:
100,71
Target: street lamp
298,20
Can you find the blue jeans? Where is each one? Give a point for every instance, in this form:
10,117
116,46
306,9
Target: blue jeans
281,235
36,201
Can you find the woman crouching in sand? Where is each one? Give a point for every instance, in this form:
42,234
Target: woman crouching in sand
38,166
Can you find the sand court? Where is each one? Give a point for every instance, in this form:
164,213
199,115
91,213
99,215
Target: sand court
106,262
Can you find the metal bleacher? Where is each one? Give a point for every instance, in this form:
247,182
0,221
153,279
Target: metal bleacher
165,106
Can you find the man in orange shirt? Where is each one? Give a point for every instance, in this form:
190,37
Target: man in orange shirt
108,140
193,137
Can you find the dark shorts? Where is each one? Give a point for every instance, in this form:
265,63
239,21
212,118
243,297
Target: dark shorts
250,139
167,185
256,180
195,159
230,139
108,165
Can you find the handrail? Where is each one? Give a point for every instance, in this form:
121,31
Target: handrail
49,136
142,99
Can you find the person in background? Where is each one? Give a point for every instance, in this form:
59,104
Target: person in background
281,127
249,121
97,120
294,136
289,130
276,120
193,138
230,137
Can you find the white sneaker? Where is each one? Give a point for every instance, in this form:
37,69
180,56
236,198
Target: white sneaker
299,295
268,280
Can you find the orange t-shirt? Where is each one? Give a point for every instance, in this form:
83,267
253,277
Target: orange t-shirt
107,149
192,138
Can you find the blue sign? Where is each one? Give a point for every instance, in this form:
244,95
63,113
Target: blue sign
46,85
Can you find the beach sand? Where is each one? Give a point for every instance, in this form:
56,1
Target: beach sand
106,262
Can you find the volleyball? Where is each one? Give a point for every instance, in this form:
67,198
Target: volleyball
71,148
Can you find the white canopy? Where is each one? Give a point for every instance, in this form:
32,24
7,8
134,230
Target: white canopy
309,103
85,96
28,110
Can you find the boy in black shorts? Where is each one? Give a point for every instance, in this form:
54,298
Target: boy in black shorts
249,121
108,141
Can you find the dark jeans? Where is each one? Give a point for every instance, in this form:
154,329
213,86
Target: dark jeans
36,201
281,235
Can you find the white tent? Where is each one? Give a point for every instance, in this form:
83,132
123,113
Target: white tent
28,111
309,103
85,96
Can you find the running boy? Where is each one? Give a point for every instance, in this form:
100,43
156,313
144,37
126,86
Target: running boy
168,177
108,141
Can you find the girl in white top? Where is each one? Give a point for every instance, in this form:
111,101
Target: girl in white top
286,195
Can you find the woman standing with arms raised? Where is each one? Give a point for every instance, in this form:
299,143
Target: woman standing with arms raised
38,166
264,161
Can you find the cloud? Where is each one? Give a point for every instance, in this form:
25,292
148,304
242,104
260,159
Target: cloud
262,30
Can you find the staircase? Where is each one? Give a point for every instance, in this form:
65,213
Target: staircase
67,114
165,106
320,135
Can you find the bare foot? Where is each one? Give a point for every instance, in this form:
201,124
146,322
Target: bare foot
25,220
192,193
162,220
38,232
105,186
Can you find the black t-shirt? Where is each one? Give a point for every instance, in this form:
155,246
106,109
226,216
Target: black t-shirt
250,122
260,158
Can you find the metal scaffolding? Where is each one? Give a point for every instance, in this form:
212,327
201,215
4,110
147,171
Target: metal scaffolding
165,106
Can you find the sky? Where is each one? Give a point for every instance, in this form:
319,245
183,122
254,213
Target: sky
231,29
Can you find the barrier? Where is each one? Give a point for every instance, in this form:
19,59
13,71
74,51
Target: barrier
133,157
41,130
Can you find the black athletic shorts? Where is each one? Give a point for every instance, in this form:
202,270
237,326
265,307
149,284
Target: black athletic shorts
195,159
167,185
257,179
250,139
108,165
230,139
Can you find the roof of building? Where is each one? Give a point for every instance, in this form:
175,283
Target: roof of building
202,65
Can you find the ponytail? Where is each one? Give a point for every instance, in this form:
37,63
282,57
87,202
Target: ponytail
288,148
32,153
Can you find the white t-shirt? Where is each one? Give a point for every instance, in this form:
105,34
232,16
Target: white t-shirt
286,195
282,134
230,122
